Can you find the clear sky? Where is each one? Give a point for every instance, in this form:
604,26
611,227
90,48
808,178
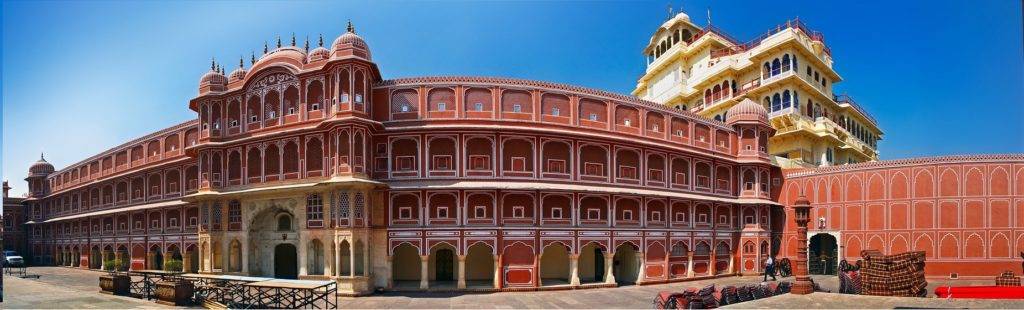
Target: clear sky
941,77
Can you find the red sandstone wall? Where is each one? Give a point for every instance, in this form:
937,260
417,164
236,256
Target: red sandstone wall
966,213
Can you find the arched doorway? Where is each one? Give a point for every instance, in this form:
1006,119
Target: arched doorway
235,256
591,263
480,266
156,258
442,266
554,265
315,258
193,258
626,264
285,262
405,266
822,255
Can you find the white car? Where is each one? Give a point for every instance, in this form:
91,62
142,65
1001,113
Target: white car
12,258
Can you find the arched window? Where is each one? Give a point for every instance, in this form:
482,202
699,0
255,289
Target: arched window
796,101
776,67
785,62
776,102
796,68
284,222
786,99
767,71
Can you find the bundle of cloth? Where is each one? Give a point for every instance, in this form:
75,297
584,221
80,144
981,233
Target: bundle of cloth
709,297
1007,278
849,278
893,275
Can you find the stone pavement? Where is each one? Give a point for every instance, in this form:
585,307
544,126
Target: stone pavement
60,287
63,288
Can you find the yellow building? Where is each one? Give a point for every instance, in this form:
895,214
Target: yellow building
788,70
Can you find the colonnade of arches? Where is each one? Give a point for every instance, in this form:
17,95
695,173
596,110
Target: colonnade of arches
443,266
133,257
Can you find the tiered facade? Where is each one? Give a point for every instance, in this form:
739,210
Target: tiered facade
788,70
309,165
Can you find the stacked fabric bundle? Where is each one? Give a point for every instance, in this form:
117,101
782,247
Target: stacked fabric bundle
893,275
1008,279
707,295
729,296
783,288
849,278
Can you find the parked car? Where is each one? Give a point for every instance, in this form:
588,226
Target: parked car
11,258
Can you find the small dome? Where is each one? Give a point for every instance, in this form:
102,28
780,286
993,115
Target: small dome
680,17
318,54
291,52
746,111
238,74
213,78
41,167
351,44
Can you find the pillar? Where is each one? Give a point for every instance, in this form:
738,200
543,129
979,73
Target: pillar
642,273
366,258
150,260
713,266
337,258
689,264
245,253
497,271
732,261
352,259
391,276
574,269
303,256
462,272
424,278
186,262
328,260
609,259
803,284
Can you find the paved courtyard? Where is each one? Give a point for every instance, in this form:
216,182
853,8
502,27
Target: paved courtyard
60,287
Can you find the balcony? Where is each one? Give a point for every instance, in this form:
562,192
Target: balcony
846,99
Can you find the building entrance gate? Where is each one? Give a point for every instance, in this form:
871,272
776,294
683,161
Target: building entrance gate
822,256
285,262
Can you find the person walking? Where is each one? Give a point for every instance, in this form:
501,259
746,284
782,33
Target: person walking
769,268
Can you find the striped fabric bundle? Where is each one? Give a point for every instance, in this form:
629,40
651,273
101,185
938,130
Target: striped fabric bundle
707,295
893,275
729,296
1008,279
849,282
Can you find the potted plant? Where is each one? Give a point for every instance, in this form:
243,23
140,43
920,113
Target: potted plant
113,282
171,291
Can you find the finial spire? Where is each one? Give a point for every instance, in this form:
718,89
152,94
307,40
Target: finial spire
306,45
241,61
320,42
351,28
278,41
670,10
213,63
252,58
293,39
41,157
265,49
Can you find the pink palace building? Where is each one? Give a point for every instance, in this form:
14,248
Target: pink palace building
309,164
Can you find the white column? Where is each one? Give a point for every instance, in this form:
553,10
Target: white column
641,274
497,272
352,258
303,255
609,277
574,270
462,272
391,275
337,258
689,265
424,280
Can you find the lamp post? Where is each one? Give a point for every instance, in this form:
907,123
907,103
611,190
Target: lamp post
803,284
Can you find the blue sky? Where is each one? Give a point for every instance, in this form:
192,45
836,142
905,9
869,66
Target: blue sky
941,77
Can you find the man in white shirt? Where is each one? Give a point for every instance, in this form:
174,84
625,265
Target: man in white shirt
769,268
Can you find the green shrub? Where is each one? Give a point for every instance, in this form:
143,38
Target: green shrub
110,264
172,265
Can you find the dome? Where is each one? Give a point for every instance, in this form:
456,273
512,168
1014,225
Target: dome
213,78
680,17
318,54
746,111
292,53
41,167
238,74
350,44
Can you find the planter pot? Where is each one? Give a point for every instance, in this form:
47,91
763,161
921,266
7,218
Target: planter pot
174,293
115,284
